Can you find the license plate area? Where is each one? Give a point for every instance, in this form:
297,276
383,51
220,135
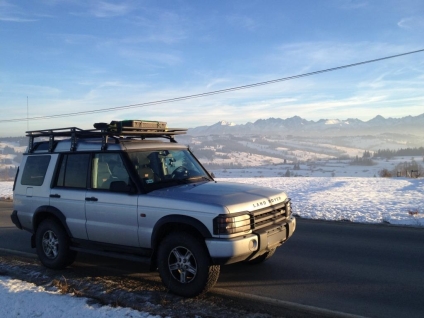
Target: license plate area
276,237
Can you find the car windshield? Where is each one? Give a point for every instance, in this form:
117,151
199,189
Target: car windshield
162,168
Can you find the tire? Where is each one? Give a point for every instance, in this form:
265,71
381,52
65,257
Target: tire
262,258
184,265
52,245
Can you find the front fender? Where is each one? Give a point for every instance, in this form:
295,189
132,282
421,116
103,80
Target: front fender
177,222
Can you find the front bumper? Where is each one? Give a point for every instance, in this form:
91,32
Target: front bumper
248,247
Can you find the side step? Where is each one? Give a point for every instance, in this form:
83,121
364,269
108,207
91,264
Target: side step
128,257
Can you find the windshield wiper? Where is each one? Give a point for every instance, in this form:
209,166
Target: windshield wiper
179,181
203,178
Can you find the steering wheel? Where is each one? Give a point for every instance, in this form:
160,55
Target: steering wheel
179,173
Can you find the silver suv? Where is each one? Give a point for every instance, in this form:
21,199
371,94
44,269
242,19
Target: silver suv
120,190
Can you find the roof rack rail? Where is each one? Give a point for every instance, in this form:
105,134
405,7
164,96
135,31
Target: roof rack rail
116,129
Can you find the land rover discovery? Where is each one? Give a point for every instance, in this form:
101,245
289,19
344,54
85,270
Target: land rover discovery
127,189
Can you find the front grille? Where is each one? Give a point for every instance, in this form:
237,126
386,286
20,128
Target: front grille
275,214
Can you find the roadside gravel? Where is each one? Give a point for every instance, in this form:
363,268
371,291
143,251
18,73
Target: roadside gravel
106,287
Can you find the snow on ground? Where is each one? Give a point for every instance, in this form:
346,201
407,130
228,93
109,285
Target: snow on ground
317,168
248,160
13,145
398,201
22,299
6,189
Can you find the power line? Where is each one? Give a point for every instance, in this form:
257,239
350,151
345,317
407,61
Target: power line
221,91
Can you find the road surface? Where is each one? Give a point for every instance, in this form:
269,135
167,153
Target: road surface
367,270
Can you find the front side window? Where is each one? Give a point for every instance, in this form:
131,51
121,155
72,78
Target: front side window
107,170
73,171
163,168
35,170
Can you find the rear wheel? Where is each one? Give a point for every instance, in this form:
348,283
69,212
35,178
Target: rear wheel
184,265
52,245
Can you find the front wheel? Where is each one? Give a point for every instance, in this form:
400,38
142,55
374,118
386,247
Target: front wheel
184,265
52,245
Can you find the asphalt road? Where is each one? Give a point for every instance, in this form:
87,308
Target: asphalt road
367,270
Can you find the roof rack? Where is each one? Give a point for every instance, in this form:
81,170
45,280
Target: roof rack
116,129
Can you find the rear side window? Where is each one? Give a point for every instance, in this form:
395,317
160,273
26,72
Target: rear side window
35,170
73,171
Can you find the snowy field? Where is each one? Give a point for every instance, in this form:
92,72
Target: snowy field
316,168
22,299
397,201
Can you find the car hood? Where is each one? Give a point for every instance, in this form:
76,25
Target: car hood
235,197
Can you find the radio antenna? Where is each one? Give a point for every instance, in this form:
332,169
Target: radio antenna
27,115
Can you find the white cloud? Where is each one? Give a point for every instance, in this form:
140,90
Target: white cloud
152,59
159,26
352,4
15,19
12,13
216,81
312,97
332,54
33,90
103,9
412,23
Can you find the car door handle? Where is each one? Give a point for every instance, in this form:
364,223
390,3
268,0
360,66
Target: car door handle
55,195
91,199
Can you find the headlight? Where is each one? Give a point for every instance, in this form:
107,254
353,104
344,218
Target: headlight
230,224
288,208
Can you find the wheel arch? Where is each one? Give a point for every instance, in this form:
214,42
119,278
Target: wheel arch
176,223
45,212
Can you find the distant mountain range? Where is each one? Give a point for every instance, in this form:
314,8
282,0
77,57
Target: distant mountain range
327,127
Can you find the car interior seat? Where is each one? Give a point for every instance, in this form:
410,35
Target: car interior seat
144,170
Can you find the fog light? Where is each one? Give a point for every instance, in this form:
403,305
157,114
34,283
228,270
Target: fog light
253,245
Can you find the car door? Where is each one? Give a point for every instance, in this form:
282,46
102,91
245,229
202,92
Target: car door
111,210
68,192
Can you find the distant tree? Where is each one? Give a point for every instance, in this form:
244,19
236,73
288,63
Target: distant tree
404,169
364,161
366,154
8,150
387,153
287,174
385,173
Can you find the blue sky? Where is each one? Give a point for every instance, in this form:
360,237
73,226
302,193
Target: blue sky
71,56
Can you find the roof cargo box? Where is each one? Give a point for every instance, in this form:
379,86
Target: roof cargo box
136,125
147,124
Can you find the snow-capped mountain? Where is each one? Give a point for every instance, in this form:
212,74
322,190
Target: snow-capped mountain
299,126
